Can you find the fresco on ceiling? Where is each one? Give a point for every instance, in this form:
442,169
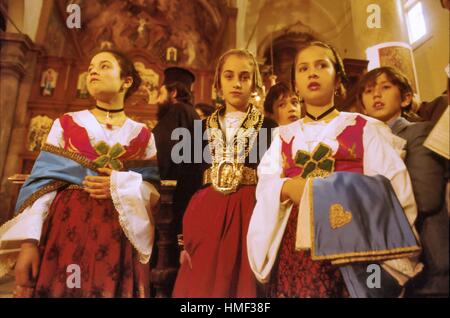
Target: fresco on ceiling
171,31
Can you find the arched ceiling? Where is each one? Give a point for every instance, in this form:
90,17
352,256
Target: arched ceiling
268,19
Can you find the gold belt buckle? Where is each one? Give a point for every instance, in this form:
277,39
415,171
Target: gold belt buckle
226,176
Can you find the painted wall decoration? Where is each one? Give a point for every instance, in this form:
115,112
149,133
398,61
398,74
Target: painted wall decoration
171,55
49,79
57,43
150,83
400,58
38,130
156,26
82,91
395,54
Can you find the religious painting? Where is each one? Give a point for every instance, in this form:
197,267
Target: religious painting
82,91
49,79
38,130
171,55
400,58
177,31
106,45
55,38
150,83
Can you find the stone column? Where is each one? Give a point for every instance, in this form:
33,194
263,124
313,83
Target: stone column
13,60
229,40
392,23
385,42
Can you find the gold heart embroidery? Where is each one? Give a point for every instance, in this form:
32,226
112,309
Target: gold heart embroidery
338,216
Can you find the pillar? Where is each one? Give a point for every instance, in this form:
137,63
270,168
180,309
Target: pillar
385,44
13,66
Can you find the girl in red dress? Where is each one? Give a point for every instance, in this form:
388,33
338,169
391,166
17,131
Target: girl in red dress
86,231
214,262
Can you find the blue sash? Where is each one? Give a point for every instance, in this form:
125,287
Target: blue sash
357,221
358,218
357,275
54,171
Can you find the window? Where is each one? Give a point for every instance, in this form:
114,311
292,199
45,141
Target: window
415,20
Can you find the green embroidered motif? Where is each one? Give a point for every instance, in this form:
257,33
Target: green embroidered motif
109,156
318,163
301,157
321,151
102,148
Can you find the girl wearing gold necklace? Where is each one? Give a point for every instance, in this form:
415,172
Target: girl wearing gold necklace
214,261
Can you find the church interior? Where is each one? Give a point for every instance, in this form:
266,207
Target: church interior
46,46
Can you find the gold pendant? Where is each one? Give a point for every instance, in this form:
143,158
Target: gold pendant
108,121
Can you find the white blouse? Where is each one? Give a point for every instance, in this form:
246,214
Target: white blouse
230,123
130,194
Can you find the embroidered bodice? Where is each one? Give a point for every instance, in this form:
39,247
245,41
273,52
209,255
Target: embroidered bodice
322,160
81,133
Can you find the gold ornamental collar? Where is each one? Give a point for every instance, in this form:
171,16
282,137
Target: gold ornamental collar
228,158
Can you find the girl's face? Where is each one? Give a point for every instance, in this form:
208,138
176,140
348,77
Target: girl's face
103,77
315,76
236,81
383,100
286,109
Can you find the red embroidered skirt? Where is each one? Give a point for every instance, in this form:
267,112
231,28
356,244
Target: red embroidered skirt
86,232
295,274
215,234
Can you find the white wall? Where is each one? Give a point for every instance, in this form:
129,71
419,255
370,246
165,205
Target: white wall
31,17
433,55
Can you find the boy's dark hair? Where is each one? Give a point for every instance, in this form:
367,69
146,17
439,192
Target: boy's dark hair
274,93
206,109
126,69
395,76
184,94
